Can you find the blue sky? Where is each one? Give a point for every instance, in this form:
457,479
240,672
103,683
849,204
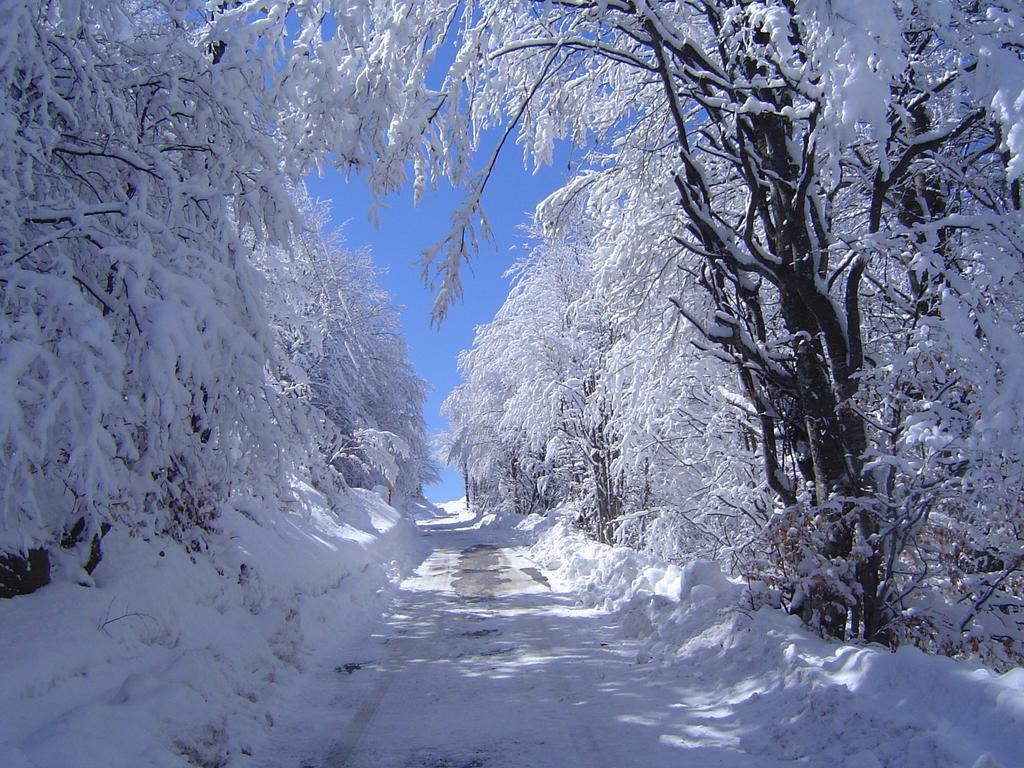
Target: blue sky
510,197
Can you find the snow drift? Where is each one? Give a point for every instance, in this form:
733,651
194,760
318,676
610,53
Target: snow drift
757,680
169,662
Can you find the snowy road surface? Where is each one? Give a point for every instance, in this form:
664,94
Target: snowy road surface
479,664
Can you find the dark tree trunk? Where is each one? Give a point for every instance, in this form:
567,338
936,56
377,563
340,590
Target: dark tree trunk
24,574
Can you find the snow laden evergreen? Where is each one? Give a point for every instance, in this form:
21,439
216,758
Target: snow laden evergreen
177,334
828,197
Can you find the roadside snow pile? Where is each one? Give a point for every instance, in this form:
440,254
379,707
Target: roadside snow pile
459,513
757,682
168,662
453,507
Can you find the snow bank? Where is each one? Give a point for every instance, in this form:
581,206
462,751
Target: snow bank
176,659
759,682
459,513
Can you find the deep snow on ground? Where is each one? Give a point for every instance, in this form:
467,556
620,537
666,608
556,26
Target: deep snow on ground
514,644
166,662
757,683
478,664
608,658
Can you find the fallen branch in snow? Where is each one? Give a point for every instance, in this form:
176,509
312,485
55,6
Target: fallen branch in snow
102,626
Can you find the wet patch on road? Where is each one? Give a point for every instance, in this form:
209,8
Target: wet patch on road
485,572
481,572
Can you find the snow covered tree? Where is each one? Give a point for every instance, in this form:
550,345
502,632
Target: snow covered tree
150,145
583,393
837,178
530,424
131,333
827,191
339,351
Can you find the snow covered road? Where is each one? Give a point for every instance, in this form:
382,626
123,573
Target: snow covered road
479,664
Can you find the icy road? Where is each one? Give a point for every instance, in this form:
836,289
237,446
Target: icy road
480,664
